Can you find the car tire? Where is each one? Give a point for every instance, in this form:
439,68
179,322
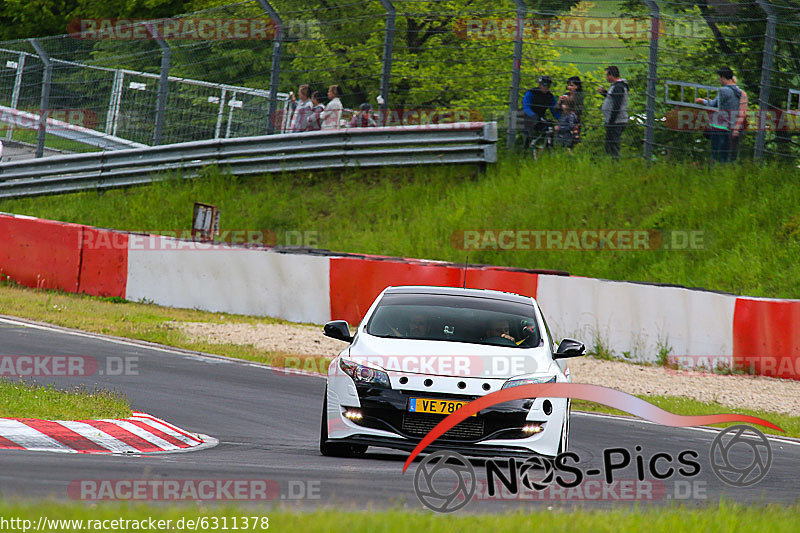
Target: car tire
331,449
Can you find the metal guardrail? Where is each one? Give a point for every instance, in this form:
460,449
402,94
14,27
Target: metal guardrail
66,130
464,142
695,89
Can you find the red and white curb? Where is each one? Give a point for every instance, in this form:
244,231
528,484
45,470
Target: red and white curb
139,434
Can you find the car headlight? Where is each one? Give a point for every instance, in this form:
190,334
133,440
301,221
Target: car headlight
365,374
528,381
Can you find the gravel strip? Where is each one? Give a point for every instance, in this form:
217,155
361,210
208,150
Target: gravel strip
753,392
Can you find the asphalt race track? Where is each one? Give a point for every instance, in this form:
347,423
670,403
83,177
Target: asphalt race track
268,424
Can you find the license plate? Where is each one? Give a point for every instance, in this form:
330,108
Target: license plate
431,405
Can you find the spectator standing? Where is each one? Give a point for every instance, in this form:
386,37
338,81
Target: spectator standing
615,109
574,91
363,119
333,111
315,116
724,120
535,104
302,110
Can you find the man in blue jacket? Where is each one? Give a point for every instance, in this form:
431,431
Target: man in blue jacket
535,104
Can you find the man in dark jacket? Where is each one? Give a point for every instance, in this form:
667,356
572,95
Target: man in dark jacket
535,104
615,109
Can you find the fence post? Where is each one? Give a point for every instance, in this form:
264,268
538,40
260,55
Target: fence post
652,78
44,103
274,75
388,44
112,115
163,84
15,91
766,77
513,96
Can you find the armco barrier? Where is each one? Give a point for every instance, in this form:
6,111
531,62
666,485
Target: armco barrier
461,142
625,317
766,336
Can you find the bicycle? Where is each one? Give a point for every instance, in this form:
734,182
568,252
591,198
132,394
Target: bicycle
543,140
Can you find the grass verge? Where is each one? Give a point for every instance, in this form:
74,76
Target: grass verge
734,228
19,399
149,322
723,517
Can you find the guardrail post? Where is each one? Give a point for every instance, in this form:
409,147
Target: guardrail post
277,42
163,84
15,90
388,45
44,103
766,77
513,97
652,78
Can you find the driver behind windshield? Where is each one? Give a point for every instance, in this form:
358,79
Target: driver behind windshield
419,326
499,328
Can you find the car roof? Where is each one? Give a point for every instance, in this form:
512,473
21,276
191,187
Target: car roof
458,291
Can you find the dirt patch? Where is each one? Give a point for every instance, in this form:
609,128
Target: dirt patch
736,391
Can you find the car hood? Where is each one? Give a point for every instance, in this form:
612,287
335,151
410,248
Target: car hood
451,358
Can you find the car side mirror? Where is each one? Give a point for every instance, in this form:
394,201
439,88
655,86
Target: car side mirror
569,348
338,329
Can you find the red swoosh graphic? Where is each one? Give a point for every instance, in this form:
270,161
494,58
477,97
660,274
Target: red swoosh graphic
578,391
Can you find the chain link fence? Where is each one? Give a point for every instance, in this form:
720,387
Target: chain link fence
228,71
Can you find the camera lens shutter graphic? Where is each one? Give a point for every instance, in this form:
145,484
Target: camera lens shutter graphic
455,497
727,468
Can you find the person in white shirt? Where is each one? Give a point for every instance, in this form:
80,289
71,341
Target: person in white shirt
333,111
302,111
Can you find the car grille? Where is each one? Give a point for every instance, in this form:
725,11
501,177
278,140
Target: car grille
421,423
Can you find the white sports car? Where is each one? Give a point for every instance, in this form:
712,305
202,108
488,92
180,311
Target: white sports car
422,352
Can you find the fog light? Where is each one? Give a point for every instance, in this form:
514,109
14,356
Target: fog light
532,429
353,414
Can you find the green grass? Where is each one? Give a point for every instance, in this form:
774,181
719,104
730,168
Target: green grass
50,141
723,517
19,399
747,215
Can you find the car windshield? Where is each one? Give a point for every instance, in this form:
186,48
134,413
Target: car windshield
455,318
